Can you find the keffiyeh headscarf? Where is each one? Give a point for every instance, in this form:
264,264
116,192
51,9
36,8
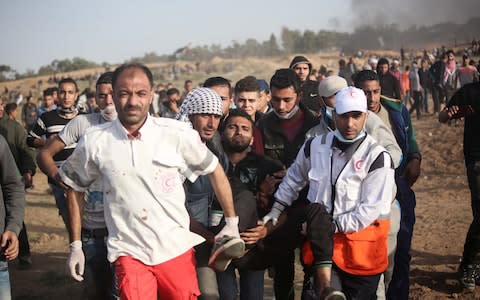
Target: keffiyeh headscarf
200,101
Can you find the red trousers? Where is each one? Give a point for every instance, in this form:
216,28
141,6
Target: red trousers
173,279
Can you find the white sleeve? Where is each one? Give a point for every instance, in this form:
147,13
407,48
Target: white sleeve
199,160
295,179
79,171
384,136
70,134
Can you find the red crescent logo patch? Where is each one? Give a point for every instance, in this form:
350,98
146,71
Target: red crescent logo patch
358,164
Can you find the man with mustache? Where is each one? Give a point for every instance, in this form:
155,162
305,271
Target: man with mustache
142,162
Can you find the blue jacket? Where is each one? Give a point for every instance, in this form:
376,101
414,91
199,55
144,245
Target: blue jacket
402,129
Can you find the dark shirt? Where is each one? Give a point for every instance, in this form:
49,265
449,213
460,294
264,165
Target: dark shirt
50,124
390,85
310,96
469,95
16,137
12,196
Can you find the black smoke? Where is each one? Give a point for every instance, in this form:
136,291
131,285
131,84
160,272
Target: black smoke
408,13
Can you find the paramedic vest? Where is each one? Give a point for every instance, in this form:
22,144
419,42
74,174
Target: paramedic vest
363,252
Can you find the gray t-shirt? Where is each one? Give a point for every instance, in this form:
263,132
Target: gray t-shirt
72,132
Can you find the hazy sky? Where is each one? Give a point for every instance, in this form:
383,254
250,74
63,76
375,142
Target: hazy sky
35,32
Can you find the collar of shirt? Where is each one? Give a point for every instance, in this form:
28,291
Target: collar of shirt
139,134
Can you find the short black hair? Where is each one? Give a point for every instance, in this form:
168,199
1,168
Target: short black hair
68,80
364,75
235,112
105,78
9,107
119,70
48,92
247,84
218,81
383,61
284,78
173,91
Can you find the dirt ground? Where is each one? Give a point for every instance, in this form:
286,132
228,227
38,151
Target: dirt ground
443,215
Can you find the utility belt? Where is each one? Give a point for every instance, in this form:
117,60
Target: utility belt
94,233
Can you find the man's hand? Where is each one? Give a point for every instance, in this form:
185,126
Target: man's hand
9,245
274,213
268,187
230,228
253,235
76,258
412,171
27,180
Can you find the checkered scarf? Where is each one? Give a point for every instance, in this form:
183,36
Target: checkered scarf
200,101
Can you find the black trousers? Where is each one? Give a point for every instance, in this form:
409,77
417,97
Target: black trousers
277,249
471,251
356,287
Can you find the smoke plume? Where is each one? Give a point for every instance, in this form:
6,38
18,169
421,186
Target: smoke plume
407,13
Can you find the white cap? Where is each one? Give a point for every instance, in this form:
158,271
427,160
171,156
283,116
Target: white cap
331,85
372,60
350,99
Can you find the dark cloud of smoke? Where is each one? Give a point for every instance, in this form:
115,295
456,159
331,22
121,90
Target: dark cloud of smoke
407,13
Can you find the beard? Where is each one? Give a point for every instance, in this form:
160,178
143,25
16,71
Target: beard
235,147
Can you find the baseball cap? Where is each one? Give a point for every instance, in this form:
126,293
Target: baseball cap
350,99
331,85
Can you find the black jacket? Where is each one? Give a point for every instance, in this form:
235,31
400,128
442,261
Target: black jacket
275,142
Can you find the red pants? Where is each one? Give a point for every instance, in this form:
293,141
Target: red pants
173,279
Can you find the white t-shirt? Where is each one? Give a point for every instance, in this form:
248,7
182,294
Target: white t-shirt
92,217
144,198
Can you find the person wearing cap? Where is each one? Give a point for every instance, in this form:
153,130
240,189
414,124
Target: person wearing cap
372,62
389,83
309,88
264,105
351,177
143,162
203,109
376,128
394,114
87,229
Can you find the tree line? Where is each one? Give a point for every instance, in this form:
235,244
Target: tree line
290,41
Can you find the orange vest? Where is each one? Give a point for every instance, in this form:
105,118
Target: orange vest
363,252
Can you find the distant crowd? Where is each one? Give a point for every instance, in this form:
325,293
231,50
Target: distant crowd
197,191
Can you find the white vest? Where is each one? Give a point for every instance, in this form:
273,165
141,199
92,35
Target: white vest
348,186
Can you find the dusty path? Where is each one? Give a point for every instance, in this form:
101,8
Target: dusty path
443,216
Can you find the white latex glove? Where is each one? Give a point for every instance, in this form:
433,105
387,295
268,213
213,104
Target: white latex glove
76,258
230,228
274,213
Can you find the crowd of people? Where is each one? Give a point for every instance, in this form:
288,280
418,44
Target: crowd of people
177,193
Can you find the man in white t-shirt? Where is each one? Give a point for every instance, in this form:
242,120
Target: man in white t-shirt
143,162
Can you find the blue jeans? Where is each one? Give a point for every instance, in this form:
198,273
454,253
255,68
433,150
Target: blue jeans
400,282
61,202
5,293
98,271
251,284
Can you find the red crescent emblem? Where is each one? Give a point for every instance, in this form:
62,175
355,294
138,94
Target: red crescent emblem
358,164
167,182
